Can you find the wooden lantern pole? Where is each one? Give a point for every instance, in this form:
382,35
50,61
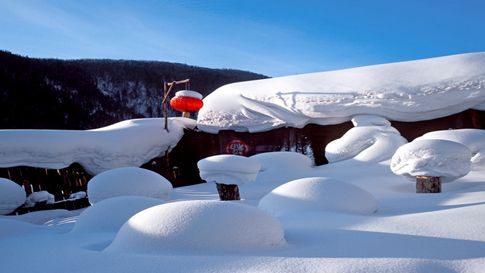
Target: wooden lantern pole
167,88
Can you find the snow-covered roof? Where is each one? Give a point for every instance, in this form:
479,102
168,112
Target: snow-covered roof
124,144
404,91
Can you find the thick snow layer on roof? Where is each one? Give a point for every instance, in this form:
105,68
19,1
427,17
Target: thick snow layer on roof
124,144
405,91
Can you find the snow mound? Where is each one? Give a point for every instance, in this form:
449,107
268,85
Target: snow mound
110,214
432,157
12,196
373,139
318,194
129,143
228,169
404,91
39,197
128,181
198,226
10,228
474,139
282,160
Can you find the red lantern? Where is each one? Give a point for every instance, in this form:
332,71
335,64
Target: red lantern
187,101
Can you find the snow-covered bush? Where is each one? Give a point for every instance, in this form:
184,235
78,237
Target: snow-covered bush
474,139
128,181
110,214
432,157
39,197
318,194
373,139
12,196
200,227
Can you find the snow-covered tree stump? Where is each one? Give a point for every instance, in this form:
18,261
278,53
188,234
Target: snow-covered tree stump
428,184
228,192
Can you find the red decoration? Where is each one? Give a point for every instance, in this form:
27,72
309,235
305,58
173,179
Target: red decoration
186,103
237,147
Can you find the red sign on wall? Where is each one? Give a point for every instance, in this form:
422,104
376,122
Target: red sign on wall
237,147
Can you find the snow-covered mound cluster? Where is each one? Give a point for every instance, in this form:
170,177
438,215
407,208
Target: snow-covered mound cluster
200,227
228,169
128,181
318,194
373,139
405,91
432,157
12,196
39,197
124,144
110,214
474,139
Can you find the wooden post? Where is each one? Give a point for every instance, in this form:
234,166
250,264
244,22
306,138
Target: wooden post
428,184
228,192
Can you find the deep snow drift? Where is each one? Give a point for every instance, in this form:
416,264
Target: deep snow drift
128,181
98,150
409,232
405,91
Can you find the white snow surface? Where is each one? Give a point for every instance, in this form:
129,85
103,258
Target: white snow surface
228,169
119,209
432,157
318,194
373,139
128,181
409,233
127,143
198,227
404,91
188,93
39,197
474,139
12,196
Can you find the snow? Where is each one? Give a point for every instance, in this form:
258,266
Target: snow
474,139
127,143
404,91
188,93
110,214
373,139
432,157
12,196
128,181
318,194
39,197
198,227
228,169
321,230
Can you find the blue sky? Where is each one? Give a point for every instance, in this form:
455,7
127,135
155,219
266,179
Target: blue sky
274,38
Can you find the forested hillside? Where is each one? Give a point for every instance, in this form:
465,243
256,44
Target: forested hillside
85,94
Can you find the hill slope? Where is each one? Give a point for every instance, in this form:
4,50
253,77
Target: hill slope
85,94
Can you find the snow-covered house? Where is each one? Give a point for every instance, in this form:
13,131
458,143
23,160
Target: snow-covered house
310,110
301,113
